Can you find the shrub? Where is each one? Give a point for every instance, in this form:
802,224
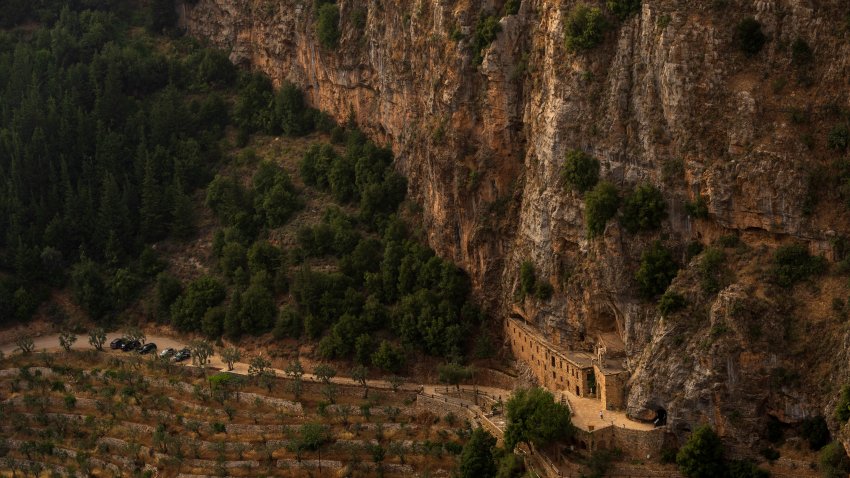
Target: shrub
327,25
585,28
512,7
833,461
671,302
527,278
842,408
711,270
644,209
769,453
793,263
697,208
600,205
657,270
749,36
485,32
816,432
746,469
693,249
543,290
801,52
729,240
624,8
838,138
702,455
580,171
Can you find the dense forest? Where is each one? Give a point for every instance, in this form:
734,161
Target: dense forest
113,136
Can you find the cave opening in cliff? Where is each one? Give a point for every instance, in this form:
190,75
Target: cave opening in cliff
660,417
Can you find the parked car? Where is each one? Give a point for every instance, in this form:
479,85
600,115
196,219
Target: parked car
182,355
149,347
117,343
131,345
167,352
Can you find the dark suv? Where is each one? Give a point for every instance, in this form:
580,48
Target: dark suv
117,343
131,345
148,348
182,355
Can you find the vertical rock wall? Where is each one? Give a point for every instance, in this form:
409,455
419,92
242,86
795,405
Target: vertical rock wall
666,99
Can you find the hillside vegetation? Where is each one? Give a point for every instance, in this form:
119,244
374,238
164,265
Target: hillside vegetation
138,151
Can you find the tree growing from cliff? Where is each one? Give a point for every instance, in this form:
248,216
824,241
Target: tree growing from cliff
486,31
793,263
585,28
623,8
671,302
657,270
580,171
643,209
534,417
476,459
702,455
600,205
327,25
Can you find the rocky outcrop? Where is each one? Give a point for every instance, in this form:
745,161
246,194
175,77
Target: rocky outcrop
666,99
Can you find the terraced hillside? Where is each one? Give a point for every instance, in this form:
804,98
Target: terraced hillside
103,414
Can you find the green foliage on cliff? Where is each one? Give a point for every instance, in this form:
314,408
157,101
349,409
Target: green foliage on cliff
643,209
833,461
657,270
623,9
486,30
530,285
671,302
600,205
698,208
512,7
585,28
793,263
580,171
711,270
327,25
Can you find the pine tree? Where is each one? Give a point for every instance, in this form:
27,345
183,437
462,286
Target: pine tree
182,213
150,220
232,320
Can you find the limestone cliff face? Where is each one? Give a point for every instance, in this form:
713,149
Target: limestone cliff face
666,99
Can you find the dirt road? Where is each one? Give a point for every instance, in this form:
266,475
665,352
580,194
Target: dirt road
50,343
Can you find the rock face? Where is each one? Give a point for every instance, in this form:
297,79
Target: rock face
666,99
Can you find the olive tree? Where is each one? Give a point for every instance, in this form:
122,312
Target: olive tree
230,355
201,351
25,344
97,338
67,339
